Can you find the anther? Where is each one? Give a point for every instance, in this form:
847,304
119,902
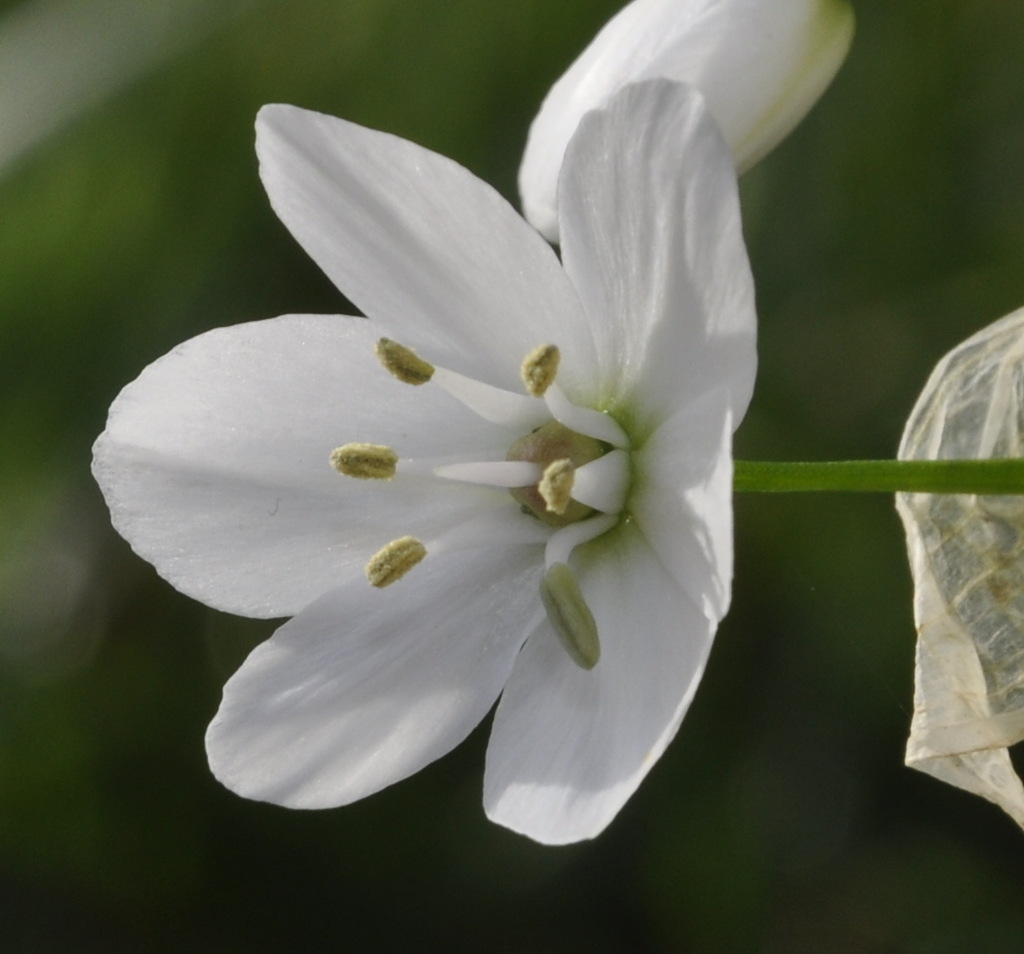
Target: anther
570,616
403,363
365,461
392,562
539,369
555,485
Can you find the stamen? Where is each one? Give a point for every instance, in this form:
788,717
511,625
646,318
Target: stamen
403,363
539,369
584,420
365,461
602,483
490,403
392,562
570,616
556,485
493,473
565,539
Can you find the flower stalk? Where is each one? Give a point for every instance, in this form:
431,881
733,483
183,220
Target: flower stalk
995,476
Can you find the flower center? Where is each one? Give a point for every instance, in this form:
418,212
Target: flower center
558,451
570,471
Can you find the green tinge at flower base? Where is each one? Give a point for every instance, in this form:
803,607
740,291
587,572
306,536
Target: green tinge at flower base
967,557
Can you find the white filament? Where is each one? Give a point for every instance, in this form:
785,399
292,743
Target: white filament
584,420
602,484
493,473
564,540
518,411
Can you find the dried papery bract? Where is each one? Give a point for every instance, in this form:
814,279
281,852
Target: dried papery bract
967,557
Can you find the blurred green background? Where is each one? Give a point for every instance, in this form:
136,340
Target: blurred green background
886,229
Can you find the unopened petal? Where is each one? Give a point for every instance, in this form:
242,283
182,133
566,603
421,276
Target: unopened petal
659,259
365,687
415,240
569,746
761,64
215,462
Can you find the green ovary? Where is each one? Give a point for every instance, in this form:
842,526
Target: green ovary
546,444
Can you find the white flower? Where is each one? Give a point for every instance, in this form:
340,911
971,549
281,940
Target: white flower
761,65
216,464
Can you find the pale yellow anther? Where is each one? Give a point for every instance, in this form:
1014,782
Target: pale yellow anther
570,616
539,369
392,562
365,461
555,485
403,363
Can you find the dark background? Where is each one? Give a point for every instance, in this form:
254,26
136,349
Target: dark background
889,227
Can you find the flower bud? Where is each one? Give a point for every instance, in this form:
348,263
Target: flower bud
760,64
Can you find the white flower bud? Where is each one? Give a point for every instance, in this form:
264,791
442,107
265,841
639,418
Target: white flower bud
760,64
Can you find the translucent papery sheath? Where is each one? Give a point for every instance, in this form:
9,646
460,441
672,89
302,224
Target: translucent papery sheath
216,465
967,557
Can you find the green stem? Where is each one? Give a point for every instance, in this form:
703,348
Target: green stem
883,476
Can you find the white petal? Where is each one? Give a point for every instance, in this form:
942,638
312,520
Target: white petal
365,687
682,500
570,746
215,462
414,239
652,238
761,64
